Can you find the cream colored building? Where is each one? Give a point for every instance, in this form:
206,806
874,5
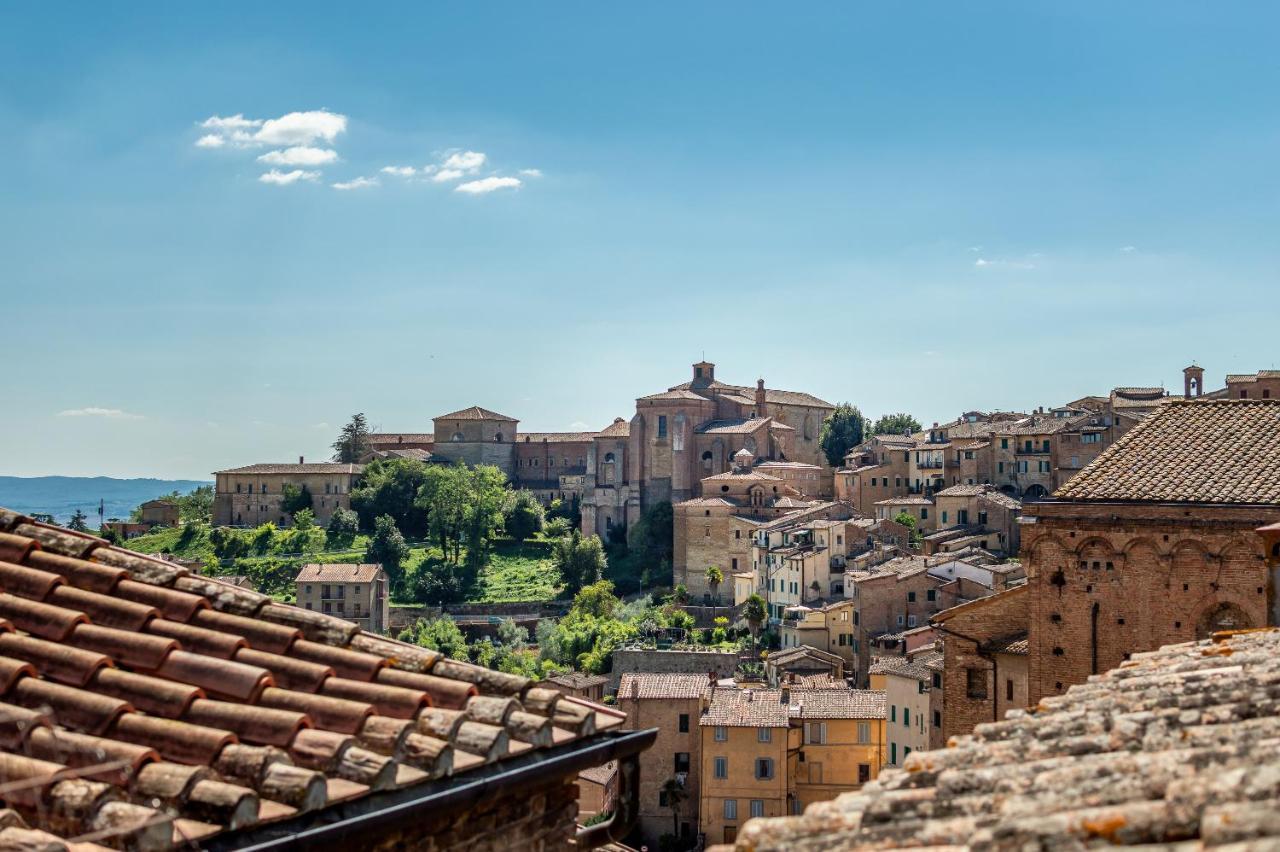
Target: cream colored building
358,593
252,495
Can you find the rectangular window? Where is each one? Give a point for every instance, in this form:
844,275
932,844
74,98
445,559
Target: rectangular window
864,773
924,514
662,425
864,733
730,808
937,718
722,767
975,683
1008,690
1004,443
911,597
757,808
682,761
931,595
722,733
764,735
893,712
1000,467
684,723
893,753
764,768
906,717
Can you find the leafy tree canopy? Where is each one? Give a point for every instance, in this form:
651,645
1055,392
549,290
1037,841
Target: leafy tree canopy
895,424
841,431
353,441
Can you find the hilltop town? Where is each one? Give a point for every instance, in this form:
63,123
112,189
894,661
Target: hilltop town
775,606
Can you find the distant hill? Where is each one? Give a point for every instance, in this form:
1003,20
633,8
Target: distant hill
60,496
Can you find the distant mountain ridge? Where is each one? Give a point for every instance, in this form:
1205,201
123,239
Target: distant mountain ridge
60,496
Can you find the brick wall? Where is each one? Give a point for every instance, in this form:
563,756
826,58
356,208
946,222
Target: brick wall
971,699
671,662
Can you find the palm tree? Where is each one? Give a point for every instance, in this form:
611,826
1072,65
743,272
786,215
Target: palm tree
714,578
676,794
756,615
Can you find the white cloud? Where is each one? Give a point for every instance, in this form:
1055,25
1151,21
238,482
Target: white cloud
533,173
1128,249
988,263
579,426
464,161
92,411
280,178
299,155
399,171
486,185
230,124
291,129
357,183
301,128
446,175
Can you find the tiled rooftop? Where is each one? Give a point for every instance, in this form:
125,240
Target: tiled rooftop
577,680
298,469
644,685
732,427
554,437
475,412
1220,451
836,704
1176,746
337,572
145,707
745,708
619,428
377,439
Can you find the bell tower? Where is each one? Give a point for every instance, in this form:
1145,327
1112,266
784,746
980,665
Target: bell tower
1192,381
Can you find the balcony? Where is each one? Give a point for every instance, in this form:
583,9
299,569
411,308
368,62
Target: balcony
934,464
1033,451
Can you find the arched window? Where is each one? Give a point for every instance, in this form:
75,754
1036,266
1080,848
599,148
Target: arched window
497,438
707,458
608,458
457,436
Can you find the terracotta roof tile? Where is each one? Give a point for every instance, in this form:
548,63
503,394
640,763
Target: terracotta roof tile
334,572
643,685
1219,451
218,705
297,469
749,708
1169,749
475,412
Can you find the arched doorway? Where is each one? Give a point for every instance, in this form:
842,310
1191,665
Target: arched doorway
1224,616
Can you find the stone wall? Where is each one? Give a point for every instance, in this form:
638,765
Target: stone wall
970,699
671,662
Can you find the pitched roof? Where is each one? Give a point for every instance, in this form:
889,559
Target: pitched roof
745,708
577,680
297,469
732,427
335,572
1219,451
836,704
602,774
1171,748
475,412
619,428
748,475
379,438
206,707
782,397
675,394
554,437
644,685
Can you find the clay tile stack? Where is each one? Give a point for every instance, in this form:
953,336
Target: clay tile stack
148,707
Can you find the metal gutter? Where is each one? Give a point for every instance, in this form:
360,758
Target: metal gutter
352,824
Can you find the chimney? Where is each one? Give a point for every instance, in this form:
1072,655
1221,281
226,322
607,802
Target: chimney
751,694
711,677
300,460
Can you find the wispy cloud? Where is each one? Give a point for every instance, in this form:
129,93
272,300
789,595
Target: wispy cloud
1128,249
357,183
487,185
465,161
995,263
279,178
533,173
211,140
399,171
299,155
446,175
93,411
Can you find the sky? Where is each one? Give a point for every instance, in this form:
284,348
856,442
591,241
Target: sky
225,228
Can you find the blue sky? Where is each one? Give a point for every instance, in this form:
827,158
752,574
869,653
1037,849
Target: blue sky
928,207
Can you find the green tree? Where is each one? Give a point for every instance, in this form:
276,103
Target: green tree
79,522
522,515
841,431
557,528
304,520
756,614
438,634
580,561
263,537
482,518
196,505
228,543
436,582
390,487
909,521
651,537
443,496
512,635
353,441
714,578
387,547
343,526
895,424
295,498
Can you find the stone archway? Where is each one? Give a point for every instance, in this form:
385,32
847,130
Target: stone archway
1223,616
1035,492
